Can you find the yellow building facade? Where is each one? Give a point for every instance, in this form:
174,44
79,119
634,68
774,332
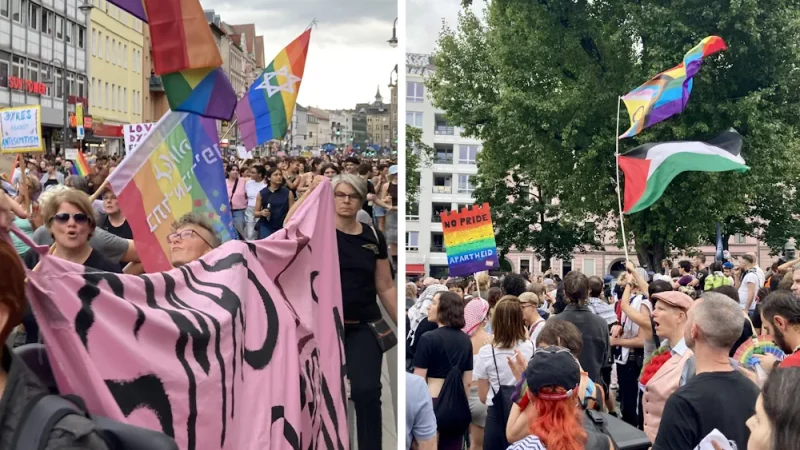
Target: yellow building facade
115,73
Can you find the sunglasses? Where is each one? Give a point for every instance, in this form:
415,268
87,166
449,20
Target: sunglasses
63,218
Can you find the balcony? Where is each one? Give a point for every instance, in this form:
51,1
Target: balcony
410,218
412,248
438,209
155,84
437,248
443,130
443,158
442,189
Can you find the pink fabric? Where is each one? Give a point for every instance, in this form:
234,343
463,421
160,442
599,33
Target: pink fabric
474,313
240,350
238,198
658,389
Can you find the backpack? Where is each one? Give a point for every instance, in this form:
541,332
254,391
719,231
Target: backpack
452,409
47,411
502,401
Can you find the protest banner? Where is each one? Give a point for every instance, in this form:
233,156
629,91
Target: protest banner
134,134
242,153
469,240
71,154
241,350
21,128
175,170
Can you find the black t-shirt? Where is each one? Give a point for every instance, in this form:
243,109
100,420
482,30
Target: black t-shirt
721,400
99,262
747,334
436,346
701,277
49,182
358,259
123,231
423,327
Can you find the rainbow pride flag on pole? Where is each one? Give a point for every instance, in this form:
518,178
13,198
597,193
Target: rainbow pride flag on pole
667,93
176,169
469,240
265,111
185,54
80,166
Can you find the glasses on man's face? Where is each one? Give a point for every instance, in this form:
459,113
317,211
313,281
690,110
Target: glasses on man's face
173,238
340,196
79,218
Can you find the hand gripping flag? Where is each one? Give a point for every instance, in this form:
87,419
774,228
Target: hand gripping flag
265,111
650,168
667,93
186,56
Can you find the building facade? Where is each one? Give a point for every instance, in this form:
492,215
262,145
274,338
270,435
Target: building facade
116,68
154,99
445,184
319,127
298,134
43,61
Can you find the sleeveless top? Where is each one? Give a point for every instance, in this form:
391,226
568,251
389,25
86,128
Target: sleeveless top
278,202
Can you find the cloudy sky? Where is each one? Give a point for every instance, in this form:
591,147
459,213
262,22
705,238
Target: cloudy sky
424,21
348,57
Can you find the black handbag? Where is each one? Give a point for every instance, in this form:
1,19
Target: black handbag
502,398
386,337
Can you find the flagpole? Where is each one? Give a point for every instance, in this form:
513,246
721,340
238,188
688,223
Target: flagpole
619,192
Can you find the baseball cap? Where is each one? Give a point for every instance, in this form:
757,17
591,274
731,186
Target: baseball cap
553,367
474,313
685,280
393,170
608,279
675,298
727,265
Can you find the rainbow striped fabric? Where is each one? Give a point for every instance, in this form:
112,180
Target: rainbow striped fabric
81,166
177,169
667,93
265,111
185,54
469,240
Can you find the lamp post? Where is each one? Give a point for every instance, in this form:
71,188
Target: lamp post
393,40
392,105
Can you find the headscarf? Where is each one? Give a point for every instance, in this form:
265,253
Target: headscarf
420,309
475,313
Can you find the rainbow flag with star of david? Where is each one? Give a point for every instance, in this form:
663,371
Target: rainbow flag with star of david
265,111
177,169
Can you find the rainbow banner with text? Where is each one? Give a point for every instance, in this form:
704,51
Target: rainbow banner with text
469,240
175,170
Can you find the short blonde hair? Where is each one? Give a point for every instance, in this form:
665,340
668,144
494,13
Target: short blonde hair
530,297
79,199
355,182
195,219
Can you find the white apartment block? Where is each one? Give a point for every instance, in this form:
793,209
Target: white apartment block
446,183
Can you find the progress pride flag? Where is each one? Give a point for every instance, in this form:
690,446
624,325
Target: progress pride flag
241,350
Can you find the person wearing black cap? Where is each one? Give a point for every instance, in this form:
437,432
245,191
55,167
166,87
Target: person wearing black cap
552,378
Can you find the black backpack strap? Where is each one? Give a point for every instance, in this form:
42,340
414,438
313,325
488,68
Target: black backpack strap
599,422
40,417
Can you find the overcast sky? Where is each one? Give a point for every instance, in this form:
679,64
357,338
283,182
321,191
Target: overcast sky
348,57
424,21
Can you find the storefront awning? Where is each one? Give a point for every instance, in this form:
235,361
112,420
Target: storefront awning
415,269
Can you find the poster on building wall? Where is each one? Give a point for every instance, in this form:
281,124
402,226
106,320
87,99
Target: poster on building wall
469,240
134,134
21,128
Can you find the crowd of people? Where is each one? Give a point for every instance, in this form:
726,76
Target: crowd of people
525,362
79,218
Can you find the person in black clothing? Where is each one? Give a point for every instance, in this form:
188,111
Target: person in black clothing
443,348
593,328
365,277
718,396
114,222
272,204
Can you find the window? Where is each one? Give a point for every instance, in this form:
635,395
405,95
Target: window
415,91
125,56
120,56
33,16
119,99
59,27
94,43
4,10
48,21
588,267
108,47
467,154
81,87
47,74
70,84
70,32
59,85
16,10
113,51
93,90
113,98
81,36
412,241
525,265
33,71
414,119
739,239
4,68
465,185
106,97
18,67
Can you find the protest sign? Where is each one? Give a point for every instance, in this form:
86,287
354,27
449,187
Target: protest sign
469,240
71,154
175,170
134,134
241,350
242,152
21,128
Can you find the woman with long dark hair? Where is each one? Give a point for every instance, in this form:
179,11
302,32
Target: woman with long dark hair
776,422
272,204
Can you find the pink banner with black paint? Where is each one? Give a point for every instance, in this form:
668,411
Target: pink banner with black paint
241,350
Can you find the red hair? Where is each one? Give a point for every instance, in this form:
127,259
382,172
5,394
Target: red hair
557,423
12,288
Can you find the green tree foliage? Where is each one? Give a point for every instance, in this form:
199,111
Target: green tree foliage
538,81
417,153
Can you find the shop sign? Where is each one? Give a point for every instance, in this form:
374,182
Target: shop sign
21,84
87,121
74,99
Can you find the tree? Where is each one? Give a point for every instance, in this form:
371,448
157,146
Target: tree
538,82
417,153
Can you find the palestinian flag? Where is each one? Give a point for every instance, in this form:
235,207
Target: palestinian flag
649,168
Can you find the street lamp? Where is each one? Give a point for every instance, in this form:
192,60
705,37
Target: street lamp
65,132
85,7
392,105
393,40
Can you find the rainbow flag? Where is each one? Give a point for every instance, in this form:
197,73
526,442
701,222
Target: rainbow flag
185,54
81,166
265,111
667,93
177,169
469,240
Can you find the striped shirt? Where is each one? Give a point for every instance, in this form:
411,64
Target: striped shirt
529,443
